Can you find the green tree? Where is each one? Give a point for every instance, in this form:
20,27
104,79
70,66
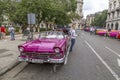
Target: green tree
100,19
1,11
55,11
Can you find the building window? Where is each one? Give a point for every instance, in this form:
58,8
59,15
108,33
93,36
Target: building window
114,4
110,6
112,26
116,26
119,3
108,16
108,26
113,15
117,13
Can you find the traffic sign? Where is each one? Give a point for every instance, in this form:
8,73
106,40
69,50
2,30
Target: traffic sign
31,18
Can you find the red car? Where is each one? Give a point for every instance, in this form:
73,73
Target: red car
118,35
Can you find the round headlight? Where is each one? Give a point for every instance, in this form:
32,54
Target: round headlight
21,49
57,50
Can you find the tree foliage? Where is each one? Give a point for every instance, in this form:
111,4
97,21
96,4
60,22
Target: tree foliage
100,19
45,10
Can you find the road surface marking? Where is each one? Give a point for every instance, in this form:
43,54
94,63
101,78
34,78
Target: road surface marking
66,59
100,58
118,62
113,51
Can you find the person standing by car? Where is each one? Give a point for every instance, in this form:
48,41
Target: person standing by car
73,36
108,32
12,32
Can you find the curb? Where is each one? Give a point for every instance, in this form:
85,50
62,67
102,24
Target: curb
9,67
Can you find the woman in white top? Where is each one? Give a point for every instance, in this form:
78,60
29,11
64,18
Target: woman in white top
73,36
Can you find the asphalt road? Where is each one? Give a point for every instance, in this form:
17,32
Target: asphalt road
93,58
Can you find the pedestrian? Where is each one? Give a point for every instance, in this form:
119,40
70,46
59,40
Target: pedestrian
73,36
108,32
12,32
0,33
92,30
3,32
28,30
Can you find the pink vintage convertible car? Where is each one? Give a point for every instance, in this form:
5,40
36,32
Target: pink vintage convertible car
101,31
50,47
113,33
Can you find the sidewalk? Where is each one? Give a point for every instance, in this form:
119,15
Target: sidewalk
9,53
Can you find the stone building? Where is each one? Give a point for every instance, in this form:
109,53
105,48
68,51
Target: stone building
113,16
79,11
89,19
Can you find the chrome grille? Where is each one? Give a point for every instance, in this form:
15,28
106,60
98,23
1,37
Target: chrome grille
35,55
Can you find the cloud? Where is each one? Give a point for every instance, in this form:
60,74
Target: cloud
88,5
92,6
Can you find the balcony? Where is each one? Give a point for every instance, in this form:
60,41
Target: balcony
113,10
113,19
118,8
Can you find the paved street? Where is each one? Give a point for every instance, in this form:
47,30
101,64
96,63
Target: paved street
9,52
93,58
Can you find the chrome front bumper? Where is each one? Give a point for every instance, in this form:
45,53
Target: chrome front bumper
42,60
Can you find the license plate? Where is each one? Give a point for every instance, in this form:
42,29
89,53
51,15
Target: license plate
22,59
37,61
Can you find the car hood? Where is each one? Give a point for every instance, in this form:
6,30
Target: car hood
45,45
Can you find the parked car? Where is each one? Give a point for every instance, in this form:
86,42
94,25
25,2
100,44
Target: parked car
118,35
101,31
50,47
113,33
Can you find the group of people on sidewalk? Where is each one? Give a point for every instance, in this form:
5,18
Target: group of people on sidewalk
3,31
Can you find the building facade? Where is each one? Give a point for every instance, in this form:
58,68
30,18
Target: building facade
89,19
113,16
79,11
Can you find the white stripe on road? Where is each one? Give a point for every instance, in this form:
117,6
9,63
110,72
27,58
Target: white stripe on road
113,51
66,58
107,66
118,62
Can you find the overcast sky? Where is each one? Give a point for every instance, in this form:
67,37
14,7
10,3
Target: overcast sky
92,6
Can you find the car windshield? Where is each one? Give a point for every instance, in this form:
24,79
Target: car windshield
52,34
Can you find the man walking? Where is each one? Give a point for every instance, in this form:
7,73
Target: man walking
12,32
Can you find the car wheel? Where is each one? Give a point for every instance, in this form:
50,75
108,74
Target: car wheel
30,63
62,63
